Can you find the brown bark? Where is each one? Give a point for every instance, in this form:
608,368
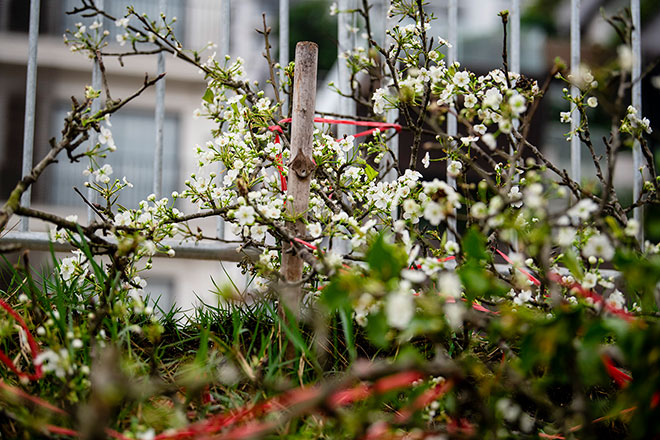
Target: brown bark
301,166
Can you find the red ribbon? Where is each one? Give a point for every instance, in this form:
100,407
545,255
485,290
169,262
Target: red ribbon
277,129
34,348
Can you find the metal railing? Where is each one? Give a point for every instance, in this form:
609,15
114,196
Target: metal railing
346,41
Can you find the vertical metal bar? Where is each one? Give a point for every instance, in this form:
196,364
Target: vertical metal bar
160,117
576,161
225,24
452,126
284,43
392,115
346,40
638,180
30,103
514,19
514,54
96,106
4,15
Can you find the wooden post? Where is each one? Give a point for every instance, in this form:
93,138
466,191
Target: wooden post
302,164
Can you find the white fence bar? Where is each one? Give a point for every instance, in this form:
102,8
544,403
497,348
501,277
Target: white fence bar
225,24
284,44
392,115
40,241
96,106
346,40
160,117
30,102
576,160
452,124
514,19
638,180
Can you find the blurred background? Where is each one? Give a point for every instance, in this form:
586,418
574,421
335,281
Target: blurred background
62,74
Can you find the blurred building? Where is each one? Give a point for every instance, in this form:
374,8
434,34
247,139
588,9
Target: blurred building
62,74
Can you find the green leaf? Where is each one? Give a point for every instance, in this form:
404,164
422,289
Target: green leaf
208,96
202,352
474,245
336,294
475,279
377,329
371,173
349,335
570,259
385,260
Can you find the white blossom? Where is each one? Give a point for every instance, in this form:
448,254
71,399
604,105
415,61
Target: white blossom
598,246
399,308
426,161
449,285
454,312
583,209
515,196
244,215
492,98
470,101
490,141
461,79
258,232
451,247
433,213
632,228
518,104
565,236
454,168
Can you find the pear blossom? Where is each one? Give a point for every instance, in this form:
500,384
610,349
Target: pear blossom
454,168
632,228
244,215
599,246
461,79
123,218
516,197
103,174
258,232
490,141
479,210
434,213
122,22
616,300
589,281
426,161
492,98
583,209
454,313
315,229
518,104
399,308
565,236
449,285
470,101
451,247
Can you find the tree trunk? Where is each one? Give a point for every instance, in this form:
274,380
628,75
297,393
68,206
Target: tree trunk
301,166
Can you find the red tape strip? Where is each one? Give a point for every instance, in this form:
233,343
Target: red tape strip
34,347
376,126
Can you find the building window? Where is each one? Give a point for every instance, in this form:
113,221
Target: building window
134,132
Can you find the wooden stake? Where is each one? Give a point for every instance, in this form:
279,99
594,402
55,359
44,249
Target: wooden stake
302,165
